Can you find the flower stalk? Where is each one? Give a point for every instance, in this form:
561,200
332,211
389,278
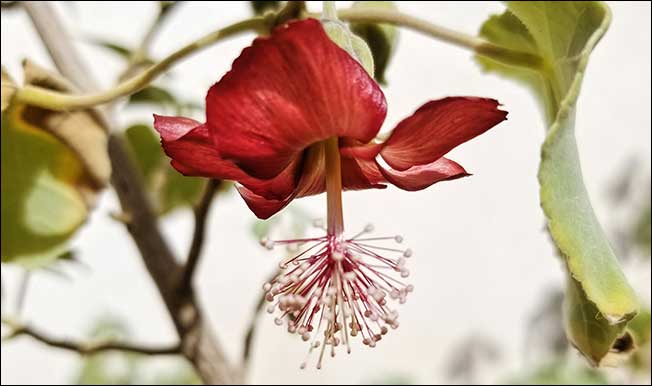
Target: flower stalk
335,224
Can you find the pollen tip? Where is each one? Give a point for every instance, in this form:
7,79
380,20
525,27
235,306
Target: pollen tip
369,228
407,253
398,238
267,243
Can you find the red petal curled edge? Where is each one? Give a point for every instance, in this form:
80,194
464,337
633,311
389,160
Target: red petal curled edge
422,176
191,148
193,153
288,91
437,127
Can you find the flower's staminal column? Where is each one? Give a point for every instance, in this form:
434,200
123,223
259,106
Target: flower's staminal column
335,225
337,288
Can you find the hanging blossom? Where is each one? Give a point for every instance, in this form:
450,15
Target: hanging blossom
297,116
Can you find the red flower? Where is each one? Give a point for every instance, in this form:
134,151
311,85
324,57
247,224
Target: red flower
297,116
267,119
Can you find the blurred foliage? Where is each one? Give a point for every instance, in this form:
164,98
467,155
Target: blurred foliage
118,368
560,372
641,229
563,35
260,7
391,379
290,223
168,188
468,357
53,166
381,38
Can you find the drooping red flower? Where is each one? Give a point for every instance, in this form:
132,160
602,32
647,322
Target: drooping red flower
297,116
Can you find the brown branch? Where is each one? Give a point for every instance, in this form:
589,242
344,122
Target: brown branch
88,348
198,342
201,213
249,336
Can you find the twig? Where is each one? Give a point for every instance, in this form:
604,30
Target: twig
38,96
198,343
201,213
88,348
249,336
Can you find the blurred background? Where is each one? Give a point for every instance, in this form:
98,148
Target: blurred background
488,285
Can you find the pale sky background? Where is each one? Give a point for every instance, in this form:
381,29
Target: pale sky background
482,260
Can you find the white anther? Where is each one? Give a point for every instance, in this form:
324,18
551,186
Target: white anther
270,309
407,253
369,228
409,288
267,243
405,272
278,321
267,287
400,261
398,238
337,256
305,337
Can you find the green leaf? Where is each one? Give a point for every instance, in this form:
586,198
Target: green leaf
602,341
154,95
116,48
146,149
179,191
563,34
168,188
53,165
381,38
640,327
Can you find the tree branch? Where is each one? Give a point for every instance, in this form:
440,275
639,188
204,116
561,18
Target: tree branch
88,348
198,343
201,212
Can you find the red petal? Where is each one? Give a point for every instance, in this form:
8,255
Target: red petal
311,182
421,176
191,148
193,153
437,127
288,91
358,174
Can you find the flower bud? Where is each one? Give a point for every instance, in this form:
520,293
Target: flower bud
354,45
381,38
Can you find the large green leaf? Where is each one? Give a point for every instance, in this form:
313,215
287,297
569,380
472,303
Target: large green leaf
53,163
168,188
563,34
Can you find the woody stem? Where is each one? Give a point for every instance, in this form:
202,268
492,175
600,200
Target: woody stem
334,187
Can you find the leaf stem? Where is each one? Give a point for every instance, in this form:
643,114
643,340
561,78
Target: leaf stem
53,100
478,45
